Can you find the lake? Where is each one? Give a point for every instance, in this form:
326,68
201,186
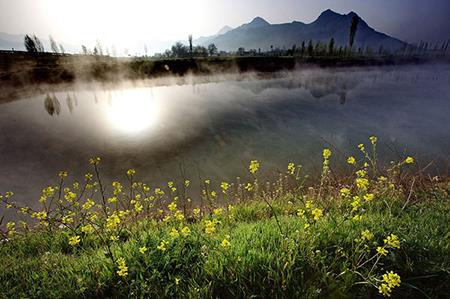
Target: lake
212,129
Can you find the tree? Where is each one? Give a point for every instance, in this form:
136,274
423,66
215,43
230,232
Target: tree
29,44
38,43
179,50
99,47
200,51
53,45
331,46
62,49
303,48
353,29
84,49
190,43
212,49
310,48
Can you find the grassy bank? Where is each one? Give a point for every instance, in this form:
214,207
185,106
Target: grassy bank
21,68
376,233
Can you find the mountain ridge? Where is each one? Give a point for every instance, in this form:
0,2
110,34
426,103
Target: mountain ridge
260,34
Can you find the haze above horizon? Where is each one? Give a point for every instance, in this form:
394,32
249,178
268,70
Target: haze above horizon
134,23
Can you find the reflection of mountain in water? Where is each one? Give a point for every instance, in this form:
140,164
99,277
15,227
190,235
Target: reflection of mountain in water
319,85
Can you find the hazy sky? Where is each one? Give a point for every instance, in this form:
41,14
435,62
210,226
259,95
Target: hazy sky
133,22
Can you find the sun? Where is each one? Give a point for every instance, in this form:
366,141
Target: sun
132,111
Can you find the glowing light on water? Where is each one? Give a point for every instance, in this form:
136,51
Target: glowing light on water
132,111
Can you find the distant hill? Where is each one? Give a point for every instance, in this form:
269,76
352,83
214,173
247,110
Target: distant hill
260,34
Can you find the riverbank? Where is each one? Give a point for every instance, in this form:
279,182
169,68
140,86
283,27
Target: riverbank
378,232
21,68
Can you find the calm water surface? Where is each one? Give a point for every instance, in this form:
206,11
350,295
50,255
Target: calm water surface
212,130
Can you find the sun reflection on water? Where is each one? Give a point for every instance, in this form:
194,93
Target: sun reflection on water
132,111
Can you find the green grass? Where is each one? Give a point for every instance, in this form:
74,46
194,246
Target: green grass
260,263
374,233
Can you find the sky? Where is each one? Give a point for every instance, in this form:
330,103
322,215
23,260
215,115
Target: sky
133,23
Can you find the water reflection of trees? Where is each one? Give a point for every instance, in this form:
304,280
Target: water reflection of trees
52,105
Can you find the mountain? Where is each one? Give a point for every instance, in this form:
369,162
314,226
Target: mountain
224,30
203,40
260,34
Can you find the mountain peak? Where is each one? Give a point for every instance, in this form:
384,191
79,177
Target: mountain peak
224,30
328,14
257,22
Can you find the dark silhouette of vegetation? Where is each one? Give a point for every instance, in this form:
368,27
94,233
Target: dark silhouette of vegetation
30,45
331,46
212,49
53,45
353,29
190,43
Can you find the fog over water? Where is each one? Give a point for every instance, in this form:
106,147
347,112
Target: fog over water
212,129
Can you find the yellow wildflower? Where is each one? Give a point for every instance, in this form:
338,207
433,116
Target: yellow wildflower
224,186
87,229
373,139
382,251
179,215
392,241
369,197
345,192
75,240
138,207
88,204
217,211
94,161
392,279
351,160
142,249
254,166
187,183
196,211
357,218
114,238
185,231
317,213
172,206
362,183
162,245
225,243
301,213
291,168
385,290
326,153
123,269
366,235
62,174
409,160
112,221
248,187
174,233
309,204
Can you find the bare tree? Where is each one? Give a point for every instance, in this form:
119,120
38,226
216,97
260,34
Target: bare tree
38,44
53,45
190,43
63,51
29,44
